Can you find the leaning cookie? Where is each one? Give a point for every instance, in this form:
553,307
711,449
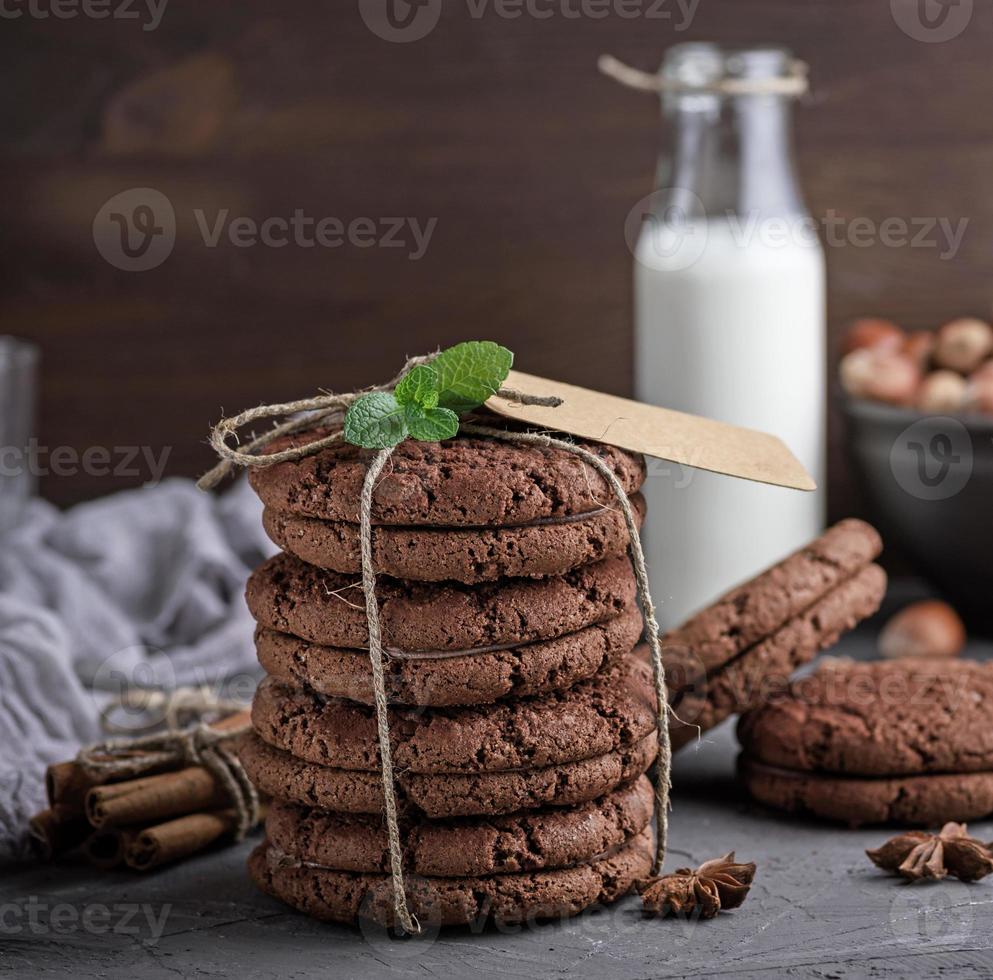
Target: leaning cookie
763,669
537,840
462,482
281,775
341,896
449,677
752,611
550,546
856,800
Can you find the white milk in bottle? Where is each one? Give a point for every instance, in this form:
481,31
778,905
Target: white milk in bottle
729,320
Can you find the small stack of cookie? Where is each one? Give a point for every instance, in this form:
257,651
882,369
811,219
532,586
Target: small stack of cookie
907,741
521,721
742,649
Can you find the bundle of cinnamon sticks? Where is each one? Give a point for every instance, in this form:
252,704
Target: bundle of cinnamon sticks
141,823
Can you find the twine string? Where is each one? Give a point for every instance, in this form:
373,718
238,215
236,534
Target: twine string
315,410
407,920
794,83
198,745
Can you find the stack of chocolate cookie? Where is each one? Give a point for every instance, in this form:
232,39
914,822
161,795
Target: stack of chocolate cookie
908,740
741,650
521,723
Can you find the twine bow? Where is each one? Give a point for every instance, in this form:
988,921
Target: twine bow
329,407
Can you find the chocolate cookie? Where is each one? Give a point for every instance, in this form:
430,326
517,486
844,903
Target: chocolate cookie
610,711
924,800
459,554
462,482
750,612
341,896
887,718
290,596
451,678
285,777
531,841
764,668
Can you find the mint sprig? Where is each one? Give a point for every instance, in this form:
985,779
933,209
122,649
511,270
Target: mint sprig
429,398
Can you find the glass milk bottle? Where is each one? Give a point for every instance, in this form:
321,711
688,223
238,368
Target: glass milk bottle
729,318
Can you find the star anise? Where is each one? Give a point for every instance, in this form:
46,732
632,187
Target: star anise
717,884
952,851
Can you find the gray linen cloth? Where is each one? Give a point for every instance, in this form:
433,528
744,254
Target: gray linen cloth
144,587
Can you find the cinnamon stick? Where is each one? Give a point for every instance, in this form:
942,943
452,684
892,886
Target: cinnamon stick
57,830
66,782
179,838
151,799
105,849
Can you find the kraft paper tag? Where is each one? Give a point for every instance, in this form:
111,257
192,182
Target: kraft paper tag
660,432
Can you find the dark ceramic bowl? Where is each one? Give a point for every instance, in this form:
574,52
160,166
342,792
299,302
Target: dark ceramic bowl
928,481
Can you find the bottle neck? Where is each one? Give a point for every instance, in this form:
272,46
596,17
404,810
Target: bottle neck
730,155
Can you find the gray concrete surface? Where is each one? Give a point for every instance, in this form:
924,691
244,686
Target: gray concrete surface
818,909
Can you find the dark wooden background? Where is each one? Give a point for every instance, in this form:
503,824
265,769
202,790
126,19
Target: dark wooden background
501,129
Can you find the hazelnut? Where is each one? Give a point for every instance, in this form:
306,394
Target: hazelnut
923,629
871,332
881,375
963,345
919,346
979,393
942,392
983,372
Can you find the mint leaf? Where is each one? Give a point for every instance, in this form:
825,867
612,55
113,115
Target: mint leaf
470,372
419,386
432,424
376,421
